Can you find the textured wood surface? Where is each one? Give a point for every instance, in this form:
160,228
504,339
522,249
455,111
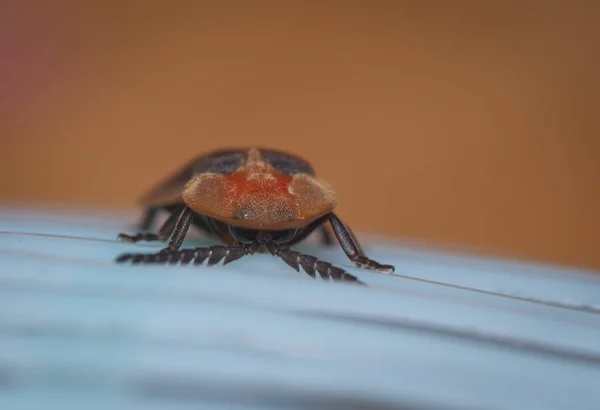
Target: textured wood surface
446,332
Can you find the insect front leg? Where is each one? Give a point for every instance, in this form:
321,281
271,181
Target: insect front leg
352,248
147,220
180,230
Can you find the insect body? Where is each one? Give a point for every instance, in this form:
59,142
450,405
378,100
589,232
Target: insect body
253,200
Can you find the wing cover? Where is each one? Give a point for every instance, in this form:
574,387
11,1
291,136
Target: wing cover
169,191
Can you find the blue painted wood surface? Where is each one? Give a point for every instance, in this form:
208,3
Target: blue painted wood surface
446,332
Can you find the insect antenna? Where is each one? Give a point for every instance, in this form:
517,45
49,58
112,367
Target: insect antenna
211,254
313,266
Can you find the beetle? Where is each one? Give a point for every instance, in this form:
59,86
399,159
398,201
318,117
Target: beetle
254,200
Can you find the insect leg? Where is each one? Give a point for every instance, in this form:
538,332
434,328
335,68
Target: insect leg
212,254
165,230
180,230
313,266
352,248
147,219
312,227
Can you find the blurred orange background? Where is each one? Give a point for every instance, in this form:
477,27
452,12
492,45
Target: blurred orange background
470,124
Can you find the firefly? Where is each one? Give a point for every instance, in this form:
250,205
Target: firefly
252,200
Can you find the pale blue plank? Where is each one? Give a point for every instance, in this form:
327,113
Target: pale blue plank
78,331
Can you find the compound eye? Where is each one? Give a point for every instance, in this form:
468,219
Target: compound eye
242,235
284,236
